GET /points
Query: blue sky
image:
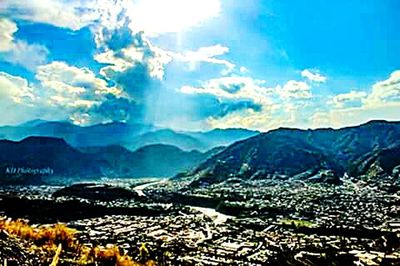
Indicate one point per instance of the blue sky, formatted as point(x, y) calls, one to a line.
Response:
point(200, 64)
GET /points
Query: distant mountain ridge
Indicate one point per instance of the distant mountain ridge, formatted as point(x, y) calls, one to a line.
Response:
point(45, 159)
point(290, 152)
point(131, 136)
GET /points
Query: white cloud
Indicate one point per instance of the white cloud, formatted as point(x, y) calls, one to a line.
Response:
point(15, 89)
point(109, 19)
point(16, 99)
point(123, 48)
point(235, 88)
point(295, 89)
point(243, 70)
point(382, 102)
point(27, 55)
point(113, 16)
point(313, 75)
point(73, 14)
point(385, 91)
point(17, 51)
point(206, 54)
point(73, 87)
point(245, 119)
point(281, 105)
point(117, 26)
point(7, 30)
point(74, 92)
point(352, 116)
point(121, 61)
point(350, 98)
point(62, 92)
point(270, 117)
point(155, 17)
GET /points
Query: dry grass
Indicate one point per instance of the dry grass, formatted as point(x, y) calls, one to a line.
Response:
point(44, 240)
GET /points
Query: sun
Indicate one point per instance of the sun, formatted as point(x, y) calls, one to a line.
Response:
point(156, 17)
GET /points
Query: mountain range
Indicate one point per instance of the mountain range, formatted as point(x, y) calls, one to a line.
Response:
point(130, 136)
point(369, 149)
point(48, 159)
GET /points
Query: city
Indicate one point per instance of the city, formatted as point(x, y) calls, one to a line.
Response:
point(253, 223)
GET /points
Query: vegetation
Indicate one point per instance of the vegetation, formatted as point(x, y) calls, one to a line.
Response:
point(57, 244)
point(297, 223)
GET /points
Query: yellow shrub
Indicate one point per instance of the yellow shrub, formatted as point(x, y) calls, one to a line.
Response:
point(46, 238)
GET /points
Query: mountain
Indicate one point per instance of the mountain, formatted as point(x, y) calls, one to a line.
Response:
point(114, 133)
point(378, 162)
point(38, 159)
point(157, 160)
point(289, 152)
point(165, 160)
point(222, 137)
point(168, 137)
point(131, 136)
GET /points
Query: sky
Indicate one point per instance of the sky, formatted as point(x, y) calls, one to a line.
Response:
point(200, 64)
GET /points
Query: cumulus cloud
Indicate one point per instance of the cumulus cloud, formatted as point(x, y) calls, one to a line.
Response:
point(64, 92)
point(111, 108)
point(385, 91)
point(295, 89)
point(63, 78)
point(313, 75)
point(350, 99)
point(247, 118)
point(169, 16)
point(132, 65)
point(69, 86)
point(122, 30)
point(61, 13)
point(251, 102)
point(234, 88)
point(15, 88)
point(131, 61)
point(131, 79)
point(16, 99)
point(355, 107)
point(352, 116)
point(17, 51)
point(262, 107)
point(138, 66)
point(7, 30)
point(27, 55)
point(113, 23)
point(206, 54)
point(83, 96)
point(122, 35)
point(139, 54)
point(298, 107)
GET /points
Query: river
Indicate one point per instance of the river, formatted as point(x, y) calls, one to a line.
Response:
point(216, 216)
point(139, 189)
